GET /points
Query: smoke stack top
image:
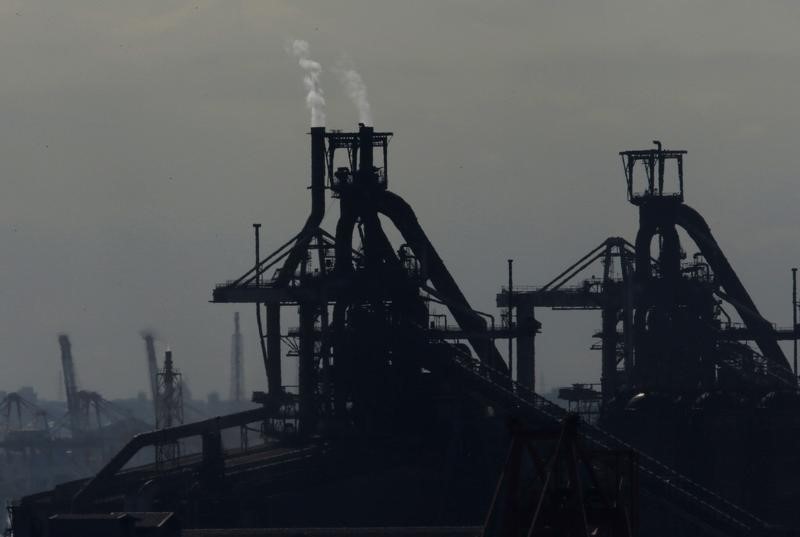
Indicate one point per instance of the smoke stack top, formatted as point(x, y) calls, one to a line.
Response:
point(315, 99)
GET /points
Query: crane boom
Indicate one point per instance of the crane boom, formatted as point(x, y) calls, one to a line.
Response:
point(152, 366)
point(70, 382)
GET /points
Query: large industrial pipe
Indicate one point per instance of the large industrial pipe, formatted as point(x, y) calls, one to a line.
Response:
point(341, 357)
point(343, 251)
point(379, 250)
point(306, 370)
point(762, 330)
point(608, 361)
point(317, 174)
point(653, 223)
point(273, 357)
point(526, 344)
point(404, 219)
point(343, 248)
point(317, 206)
point(365, 164)
point(81, 500)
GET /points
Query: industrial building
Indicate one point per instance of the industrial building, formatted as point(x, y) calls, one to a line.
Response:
point(408, 420)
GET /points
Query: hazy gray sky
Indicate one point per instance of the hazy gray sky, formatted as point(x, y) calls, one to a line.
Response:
point(140, 140)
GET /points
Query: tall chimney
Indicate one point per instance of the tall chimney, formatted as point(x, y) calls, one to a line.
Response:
point(365, 164)
point(317, 206)
point(317, 174)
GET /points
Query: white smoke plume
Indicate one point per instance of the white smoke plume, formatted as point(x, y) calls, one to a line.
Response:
point(356, 90)
point(315, 99)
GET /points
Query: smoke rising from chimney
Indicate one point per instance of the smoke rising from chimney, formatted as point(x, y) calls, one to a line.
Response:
point(356, 89)
point(315, 99)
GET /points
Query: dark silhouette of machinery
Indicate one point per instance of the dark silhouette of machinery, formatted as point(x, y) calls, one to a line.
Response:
point(676, 309)
point(363, 313)
point(612, 295)
point(237, 363)
point(551, 485)
point(664, 327)
point(679, 376)
point(400, 410)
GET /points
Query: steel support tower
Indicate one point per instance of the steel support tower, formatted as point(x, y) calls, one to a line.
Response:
point(169, 409)
point(362, 308)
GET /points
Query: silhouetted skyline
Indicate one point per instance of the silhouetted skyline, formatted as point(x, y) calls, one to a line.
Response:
point(140, 142)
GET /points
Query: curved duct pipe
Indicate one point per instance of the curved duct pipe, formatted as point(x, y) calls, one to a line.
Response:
point(317, 207)
point(642, 275)
point(403, 217)
point(343, 266)
point(763, 332)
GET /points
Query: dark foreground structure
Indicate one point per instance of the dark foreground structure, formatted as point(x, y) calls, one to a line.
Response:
point(401, 420)
point(714, 398)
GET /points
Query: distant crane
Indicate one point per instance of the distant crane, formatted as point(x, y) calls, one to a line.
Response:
point(19, 414)
point(237, 365)
point(60, 386)
point(152, 367)
point(70, 384)
point(25, 431)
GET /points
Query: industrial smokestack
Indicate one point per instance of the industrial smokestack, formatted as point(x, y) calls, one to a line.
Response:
point(317, 174)
point(317, 206)
point(365, 172)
